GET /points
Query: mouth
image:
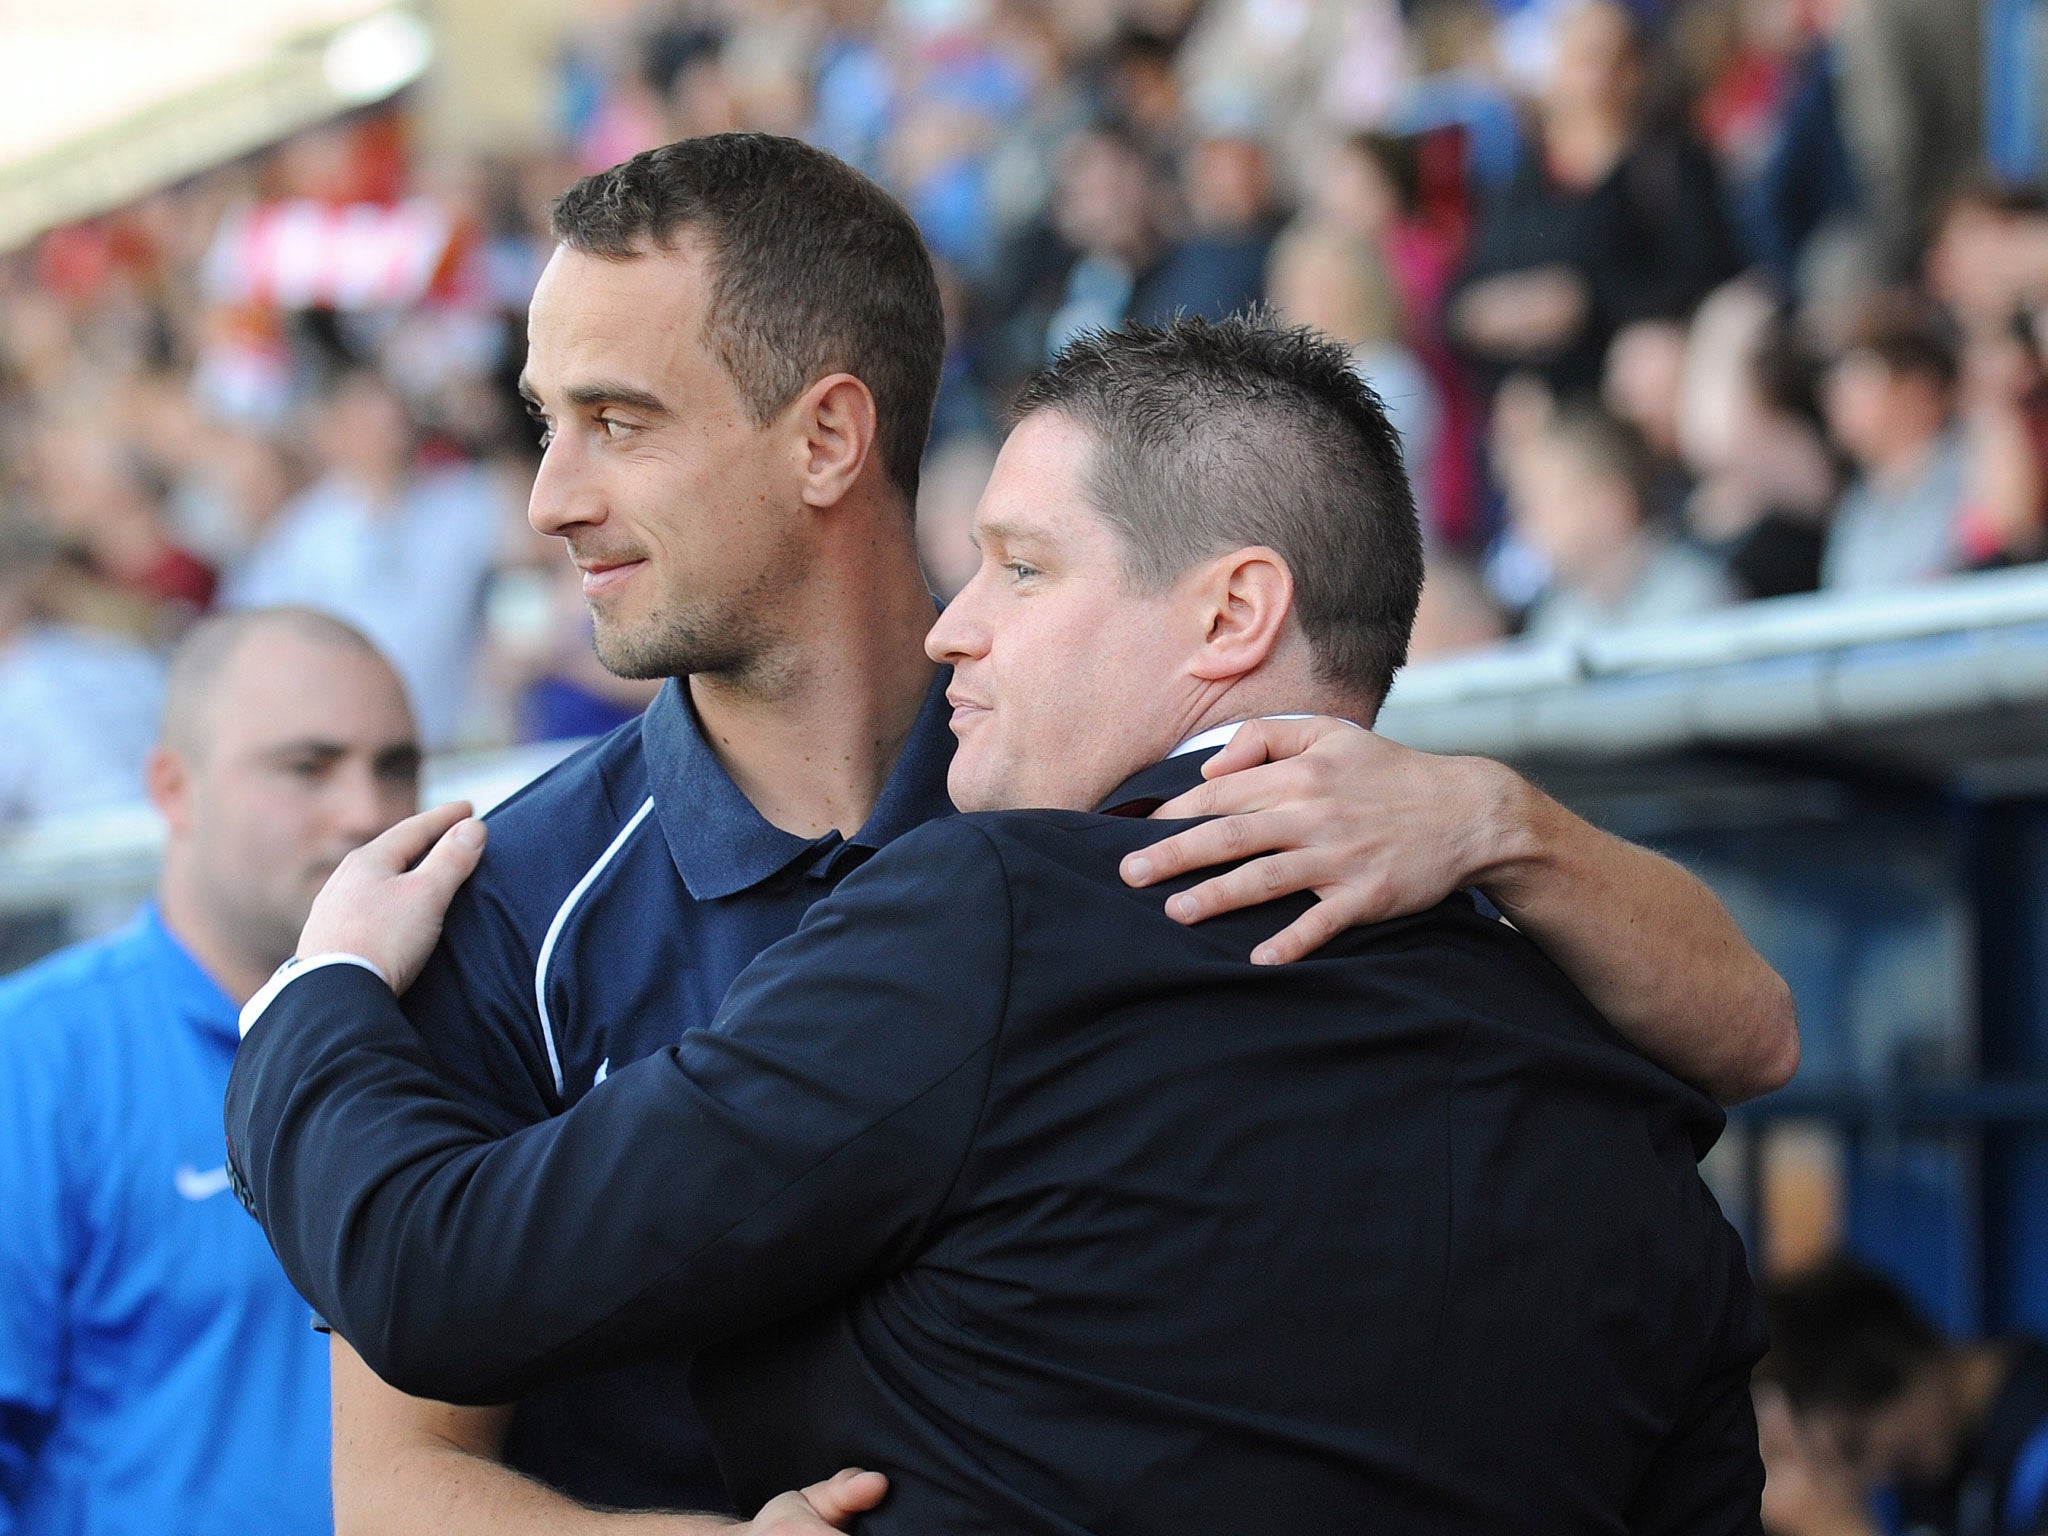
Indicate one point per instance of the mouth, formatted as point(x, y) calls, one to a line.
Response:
point(604, 576)
point(965, 711)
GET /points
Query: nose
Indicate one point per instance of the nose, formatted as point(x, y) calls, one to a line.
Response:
point(364, 804)
point(562, 497)
point(961, 633)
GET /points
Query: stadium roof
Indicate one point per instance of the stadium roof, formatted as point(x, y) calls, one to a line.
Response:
point(1942, 685)
point(105, 102)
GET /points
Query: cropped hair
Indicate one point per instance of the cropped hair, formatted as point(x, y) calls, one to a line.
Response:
point(1844, 1337)
point(813, 269)
point(1208, 436)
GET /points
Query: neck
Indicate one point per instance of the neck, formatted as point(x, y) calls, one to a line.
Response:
point(1288, 688)
point(234, 968)
point(813, 751)
point(1903, 461)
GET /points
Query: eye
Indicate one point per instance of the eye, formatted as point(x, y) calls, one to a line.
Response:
point(613, 428)
point(1021, 571)
point(541, 420)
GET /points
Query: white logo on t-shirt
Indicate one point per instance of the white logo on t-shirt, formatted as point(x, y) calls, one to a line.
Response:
point(194, 1185)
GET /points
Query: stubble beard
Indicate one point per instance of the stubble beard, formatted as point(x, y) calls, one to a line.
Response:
point(733, 640)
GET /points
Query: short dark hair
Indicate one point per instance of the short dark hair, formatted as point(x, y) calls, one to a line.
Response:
point(1844, 1337)
point(1214, 435)
point(813, 269)
point(1906, 334)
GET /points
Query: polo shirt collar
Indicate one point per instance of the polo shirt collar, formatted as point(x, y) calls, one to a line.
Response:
point(721, 845)
point(181, 983)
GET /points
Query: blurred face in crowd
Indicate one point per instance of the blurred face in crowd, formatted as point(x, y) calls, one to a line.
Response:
point(1596, 66)
point(301, 749)
point(364, 432)
point(1644, 372)
point(1104, 201)
point(682, 512)
point(1573, 512)
point(1881, 415)
point(1229, 183)
point(1066, 679)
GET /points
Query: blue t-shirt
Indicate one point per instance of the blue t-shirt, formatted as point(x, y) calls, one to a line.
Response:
point(618, 898)
point(157, 1371)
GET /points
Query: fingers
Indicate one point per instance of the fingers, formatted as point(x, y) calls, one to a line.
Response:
point(846, 1494)
point(1222, 841)
point(399, 848)
point(1249, 885)
point(1304, 936)
point(1268, 741)
point(452, 859)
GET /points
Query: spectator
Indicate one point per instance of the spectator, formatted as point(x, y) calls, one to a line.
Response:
point(1641, 386)
point(1861, 1393)
point(1326, 278)
point(78, 707)
point(1891, 402)
point(1108, 208)
point(1371, 187)
point(1764, 481)
point(1603, 224)
point(1219, 266)
point(1580, 499)
point(157, 1373)
point(402, 553)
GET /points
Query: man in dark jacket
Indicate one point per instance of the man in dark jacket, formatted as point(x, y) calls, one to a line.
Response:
point(995, 1179)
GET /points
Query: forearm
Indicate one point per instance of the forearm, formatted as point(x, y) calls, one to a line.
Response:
point(404, 1466)
point(1646, 941)
point(429, 1490)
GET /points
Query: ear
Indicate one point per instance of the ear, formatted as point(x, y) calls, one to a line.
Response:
point(168, 779)
point(1247, 597)
point(835, 418)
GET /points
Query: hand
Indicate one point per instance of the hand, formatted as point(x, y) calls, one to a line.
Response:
point(826, 1506)
point(1523, 314)
point(386, 900)
point(1375, 829)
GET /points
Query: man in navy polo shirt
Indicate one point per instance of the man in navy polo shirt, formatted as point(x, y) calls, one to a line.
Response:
point(734, 355)
point(157, 1373)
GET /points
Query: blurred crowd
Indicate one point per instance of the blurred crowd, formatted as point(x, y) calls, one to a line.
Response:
point(1674, 304)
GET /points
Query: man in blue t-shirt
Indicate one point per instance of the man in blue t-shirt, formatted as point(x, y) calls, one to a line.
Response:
point(157, 1372)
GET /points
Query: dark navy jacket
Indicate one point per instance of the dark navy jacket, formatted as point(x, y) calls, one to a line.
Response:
point(997, 1180)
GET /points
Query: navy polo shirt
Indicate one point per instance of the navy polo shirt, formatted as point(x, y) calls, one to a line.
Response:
point(620, 895)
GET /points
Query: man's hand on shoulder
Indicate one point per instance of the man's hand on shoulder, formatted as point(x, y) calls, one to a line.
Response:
point(1375, 829)
point(386, 900)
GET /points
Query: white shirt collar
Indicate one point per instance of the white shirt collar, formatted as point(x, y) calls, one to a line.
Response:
point(1219, 735)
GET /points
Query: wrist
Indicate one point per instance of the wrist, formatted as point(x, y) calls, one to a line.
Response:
point(1506, 830)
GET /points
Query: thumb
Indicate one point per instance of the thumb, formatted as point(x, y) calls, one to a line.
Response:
point(398, 848)
point(452, 859)
point(846, 1494)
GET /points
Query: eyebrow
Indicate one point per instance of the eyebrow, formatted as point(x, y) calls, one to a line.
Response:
point(1008, 532)
point(603, 392)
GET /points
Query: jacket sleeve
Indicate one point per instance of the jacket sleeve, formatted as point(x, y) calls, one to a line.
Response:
point(802, 1142)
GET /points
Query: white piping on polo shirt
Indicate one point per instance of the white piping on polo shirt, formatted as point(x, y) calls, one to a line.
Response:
point(547, 947)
